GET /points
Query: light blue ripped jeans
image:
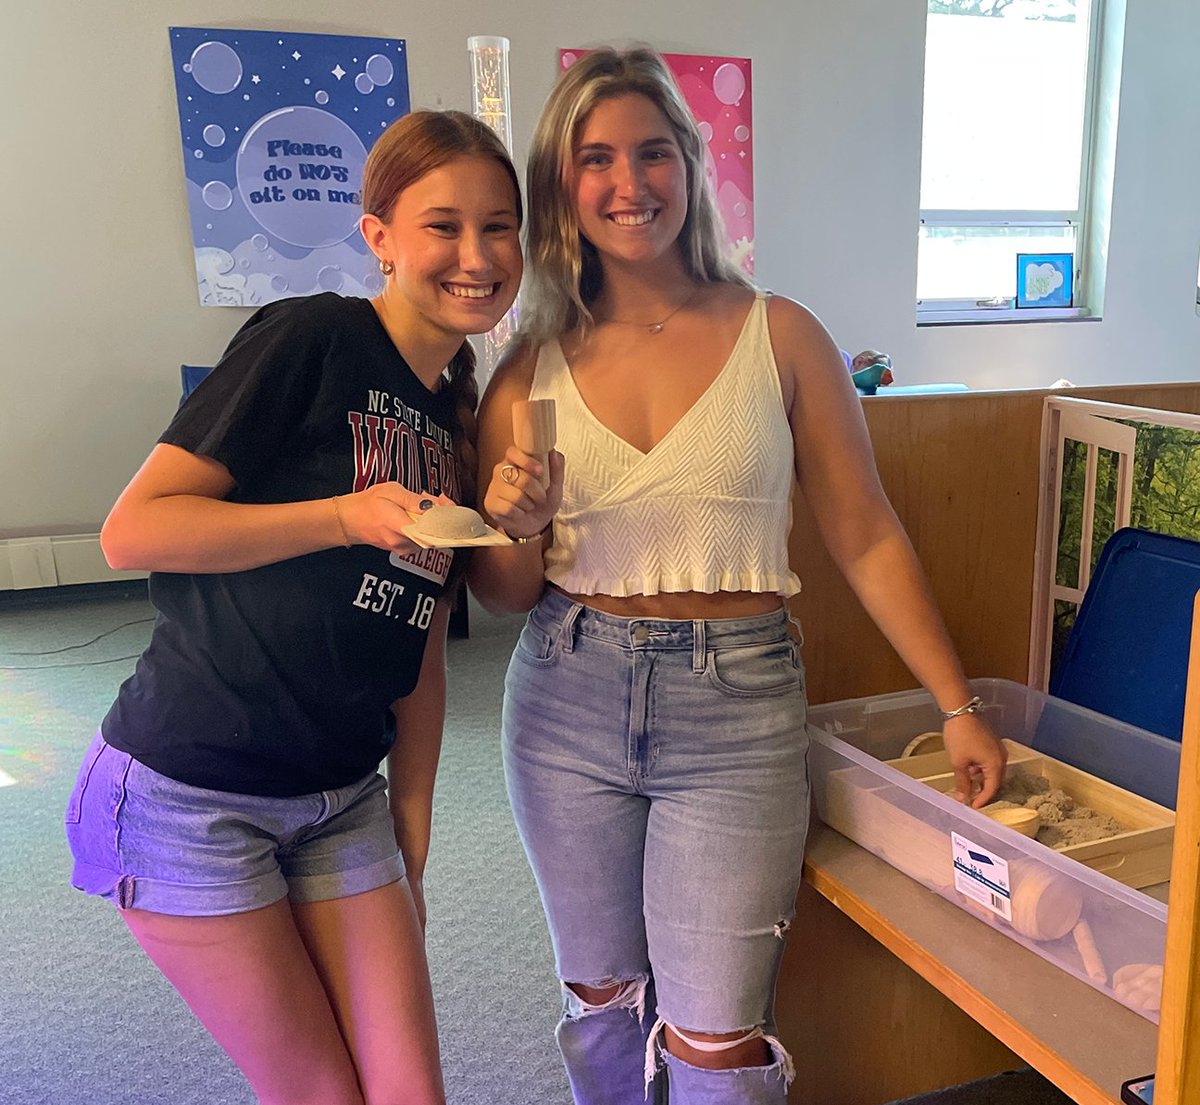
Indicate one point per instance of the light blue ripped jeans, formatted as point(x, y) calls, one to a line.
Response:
point(658, 776)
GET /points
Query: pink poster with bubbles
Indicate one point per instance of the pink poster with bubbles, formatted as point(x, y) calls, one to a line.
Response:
point(717, 89)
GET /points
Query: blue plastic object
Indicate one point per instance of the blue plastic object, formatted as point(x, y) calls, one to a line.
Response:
point(1134, 759)
point(191, 375)
point(1127, 654)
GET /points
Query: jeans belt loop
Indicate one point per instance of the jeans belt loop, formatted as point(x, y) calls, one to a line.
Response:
point(796, 629)
point(567, 636)
point(698, 645)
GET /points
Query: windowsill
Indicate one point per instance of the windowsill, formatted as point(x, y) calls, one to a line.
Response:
point(980, 316)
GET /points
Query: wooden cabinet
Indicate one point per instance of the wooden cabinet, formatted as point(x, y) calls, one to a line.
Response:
point(886, 989)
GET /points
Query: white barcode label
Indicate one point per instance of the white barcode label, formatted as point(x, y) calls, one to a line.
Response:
point(981, 876)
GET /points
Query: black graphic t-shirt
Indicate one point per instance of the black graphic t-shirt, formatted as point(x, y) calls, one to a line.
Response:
point(277, 680)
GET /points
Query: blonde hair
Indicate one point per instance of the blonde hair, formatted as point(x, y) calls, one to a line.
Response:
point(564, 275)
point(411, 147)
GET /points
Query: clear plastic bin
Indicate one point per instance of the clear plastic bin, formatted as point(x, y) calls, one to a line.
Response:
point(1072, 908)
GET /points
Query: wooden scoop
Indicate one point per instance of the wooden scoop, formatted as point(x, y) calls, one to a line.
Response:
point(535, 431)
point(1025, 821)
point(924, 742)
point(1045, 904)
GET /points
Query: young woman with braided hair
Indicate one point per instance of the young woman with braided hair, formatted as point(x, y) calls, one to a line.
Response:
point(231, 805)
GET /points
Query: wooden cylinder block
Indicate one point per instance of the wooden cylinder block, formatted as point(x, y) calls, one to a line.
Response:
point(535, 430)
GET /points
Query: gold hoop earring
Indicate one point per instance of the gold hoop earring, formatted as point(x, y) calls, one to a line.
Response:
point(387, 268)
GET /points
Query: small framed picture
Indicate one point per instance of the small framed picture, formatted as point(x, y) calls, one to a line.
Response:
point(1045, 279)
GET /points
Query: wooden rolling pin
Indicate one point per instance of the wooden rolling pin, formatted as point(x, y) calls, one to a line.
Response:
point(535, 431)
point(1089, 954)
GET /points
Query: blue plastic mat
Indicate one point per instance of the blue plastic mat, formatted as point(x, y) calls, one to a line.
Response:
point(1127, 654)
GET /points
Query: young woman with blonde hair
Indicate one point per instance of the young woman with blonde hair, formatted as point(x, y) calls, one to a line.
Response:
point(653, 726)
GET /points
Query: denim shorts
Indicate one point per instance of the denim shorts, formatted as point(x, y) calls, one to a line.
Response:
point(658, 774)
point(141, 839)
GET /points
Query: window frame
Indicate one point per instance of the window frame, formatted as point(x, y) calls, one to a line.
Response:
point(966, 309)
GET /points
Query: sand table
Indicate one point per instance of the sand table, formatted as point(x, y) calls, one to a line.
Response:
point(1064, 821)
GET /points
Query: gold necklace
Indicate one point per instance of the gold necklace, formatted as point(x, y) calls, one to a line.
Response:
point(656, 327)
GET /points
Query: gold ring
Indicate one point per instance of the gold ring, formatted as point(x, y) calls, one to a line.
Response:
point(508, 474)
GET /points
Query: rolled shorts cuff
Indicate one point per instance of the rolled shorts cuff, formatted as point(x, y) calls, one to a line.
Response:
point(214, 899)
point(220, 899)
point(342, 884)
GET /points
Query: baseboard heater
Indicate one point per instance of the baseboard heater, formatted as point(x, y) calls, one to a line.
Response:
point(27, 562)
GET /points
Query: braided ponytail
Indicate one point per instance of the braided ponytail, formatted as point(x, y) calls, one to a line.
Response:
point(465, 390)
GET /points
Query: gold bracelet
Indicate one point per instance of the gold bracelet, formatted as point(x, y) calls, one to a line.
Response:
point(529, 540)
point(341, 525)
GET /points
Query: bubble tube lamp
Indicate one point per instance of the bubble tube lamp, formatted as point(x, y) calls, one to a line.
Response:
point(489, 94)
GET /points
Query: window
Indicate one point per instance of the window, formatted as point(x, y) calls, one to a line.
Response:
point(1006, 147)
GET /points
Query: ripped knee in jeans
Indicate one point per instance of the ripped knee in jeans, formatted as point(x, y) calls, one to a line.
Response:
point(778, 1055)
point(605, 995)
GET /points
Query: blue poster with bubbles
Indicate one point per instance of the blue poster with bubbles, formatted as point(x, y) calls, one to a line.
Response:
point(276, 127)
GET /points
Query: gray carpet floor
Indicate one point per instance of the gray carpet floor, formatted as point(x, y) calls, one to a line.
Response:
point(85, 1018)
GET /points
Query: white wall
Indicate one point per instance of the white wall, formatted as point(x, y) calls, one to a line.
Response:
point(100, 308)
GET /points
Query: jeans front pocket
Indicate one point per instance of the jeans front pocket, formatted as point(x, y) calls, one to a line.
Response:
point(75, 802)
point(756, 671)
point(538, 643)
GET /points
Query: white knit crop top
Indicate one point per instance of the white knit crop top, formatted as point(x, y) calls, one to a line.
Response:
point(707, 509)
